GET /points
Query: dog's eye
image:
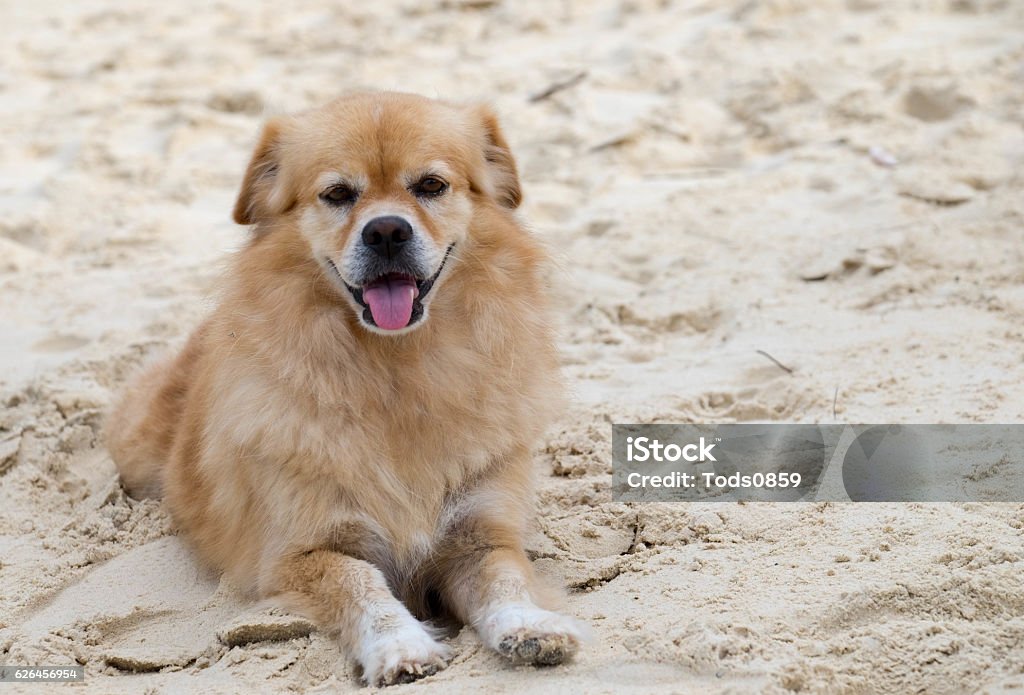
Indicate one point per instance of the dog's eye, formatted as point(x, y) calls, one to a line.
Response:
point(429, 187)
point(339, 195)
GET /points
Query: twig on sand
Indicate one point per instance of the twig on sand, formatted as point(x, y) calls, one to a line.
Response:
point(781, 366)
point(613, 142)
point(835, 399)
point(557, 87)
point(695, 173)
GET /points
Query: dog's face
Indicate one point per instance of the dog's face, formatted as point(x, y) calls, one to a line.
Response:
point(383, 188)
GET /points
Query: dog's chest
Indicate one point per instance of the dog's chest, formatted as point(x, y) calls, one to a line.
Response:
point(392, 466)
point(382, 449)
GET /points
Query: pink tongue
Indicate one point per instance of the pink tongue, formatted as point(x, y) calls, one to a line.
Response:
point(390, 302)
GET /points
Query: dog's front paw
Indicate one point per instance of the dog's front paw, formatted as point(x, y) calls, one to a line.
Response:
point(404, 656)
point(530, 635)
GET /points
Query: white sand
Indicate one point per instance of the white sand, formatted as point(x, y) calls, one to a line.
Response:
point(836, 183)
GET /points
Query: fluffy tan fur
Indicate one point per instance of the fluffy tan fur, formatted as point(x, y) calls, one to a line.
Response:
point(351, 473)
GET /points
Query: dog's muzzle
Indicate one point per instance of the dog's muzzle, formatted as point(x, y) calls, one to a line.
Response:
point(394, 298)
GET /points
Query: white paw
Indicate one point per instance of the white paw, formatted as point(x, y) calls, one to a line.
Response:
point(403, 655)
point(526, 634)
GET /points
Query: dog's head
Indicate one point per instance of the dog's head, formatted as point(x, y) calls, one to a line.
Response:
point(383, 188)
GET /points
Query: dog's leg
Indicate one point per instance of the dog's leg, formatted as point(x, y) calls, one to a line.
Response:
point(488, 582)
point(350, 596)
point(140, 431)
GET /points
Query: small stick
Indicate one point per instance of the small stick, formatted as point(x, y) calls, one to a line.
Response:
point(614, 142)
point(558, 87)
point(835, 399)
point(777, 363)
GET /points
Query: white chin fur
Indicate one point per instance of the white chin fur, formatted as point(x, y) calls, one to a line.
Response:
point(401, 331)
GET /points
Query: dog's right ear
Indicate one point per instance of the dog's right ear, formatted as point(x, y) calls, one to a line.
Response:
point(263, 192)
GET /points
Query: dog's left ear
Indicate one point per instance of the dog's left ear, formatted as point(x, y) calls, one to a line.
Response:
point(263, 193)
point(502, 178)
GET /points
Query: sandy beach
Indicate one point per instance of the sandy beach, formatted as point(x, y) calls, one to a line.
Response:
point(837, 184)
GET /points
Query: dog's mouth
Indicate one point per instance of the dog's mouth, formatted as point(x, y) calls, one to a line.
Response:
point(394, 300)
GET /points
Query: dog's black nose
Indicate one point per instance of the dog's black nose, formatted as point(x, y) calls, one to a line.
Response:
point(387, 235)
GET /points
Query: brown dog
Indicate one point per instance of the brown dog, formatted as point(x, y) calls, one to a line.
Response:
point(356, 418)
